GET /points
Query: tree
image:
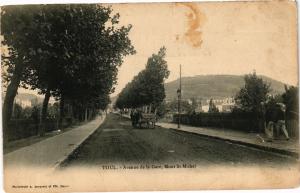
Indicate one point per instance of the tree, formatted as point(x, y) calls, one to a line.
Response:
point(155, 73)
point(147, 88)
point(251, 97)
point(18, 111)
point(96, 58)
point(67, 51)
point(255, 91)
point(162, 109)
point(185, 106)
point(15, 21)
point(194, 104)
point(291, 100)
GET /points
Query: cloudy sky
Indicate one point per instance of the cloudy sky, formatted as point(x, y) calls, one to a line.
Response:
point(213, 38)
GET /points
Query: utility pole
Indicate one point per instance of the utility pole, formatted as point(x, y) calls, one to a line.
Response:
point(179, 98)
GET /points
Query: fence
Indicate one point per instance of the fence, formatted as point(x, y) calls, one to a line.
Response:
point(237, 121)
point(292, 126)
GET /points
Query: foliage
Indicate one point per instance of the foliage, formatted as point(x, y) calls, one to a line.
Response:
point(34, 112)
point(242, 121)
point(253, 93)
point(62, 44)
point(185, 106)
point(194, 104)
point(291, 100)
point(147, 88)
point(67, 51)
point(212, 107)
point(162, 109)
point(271, 104)
point(53, 111)
point(18, 111)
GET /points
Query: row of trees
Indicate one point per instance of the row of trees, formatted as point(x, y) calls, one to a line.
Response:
point(147, 88)
point(33, 112)
point(70, 52)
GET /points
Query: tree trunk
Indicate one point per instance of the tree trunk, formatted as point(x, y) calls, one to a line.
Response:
point(61, 111)
point(11, 93)
point(71, 112)
point(90, 114)
point(85, 115)
point(42, 126)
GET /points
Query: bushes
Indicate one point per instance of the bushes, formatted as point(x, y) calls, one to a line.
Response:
point(22, 128)
point(242, 121)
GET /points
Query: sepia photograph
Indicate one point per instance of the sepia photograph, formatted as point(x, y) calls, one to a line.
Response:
point(150, 96)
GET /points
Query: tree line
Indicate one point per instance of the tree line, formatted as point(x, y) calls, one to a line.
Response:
point(146, 88)
point(69, 52)
point(255, 95)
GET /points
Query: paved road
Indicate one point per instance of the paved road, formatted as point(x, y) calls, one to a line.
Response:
point(116, 141)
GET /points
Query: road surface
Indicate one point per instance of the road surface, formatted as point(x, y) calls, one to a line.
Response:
point(116, 141)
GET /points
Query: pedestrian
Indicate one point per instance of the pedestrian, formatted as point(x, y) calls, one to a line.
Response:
point(280, 120)
point(270, 123)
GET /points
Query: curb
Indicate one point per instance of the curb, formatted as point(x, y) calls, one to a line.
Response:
point(60, 162)
point(265, 148)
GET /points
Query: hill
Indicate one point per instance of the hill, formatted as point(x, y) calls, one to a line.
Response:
point(214, 86)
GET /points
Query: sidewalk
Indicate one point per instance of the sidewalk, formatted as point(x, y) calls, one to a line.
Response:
point(50, 152)
point(290, 147)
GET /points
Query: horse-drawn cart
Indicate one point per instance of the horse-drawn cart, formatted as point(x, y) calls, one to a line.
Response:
point(147, 118)
point(143, 116)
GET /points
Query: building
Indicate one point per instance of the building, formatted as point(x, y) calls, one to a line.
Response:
point(228, 104)
point(224, 105)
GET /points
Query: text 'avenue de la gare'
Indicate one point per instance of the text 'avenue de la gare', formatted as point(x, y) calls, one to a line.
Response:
point(147, 166)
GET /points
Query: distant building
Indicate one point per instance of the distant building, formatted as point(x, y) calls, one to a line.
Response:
point(228, 104)
point(205, 108)
point(224, 105)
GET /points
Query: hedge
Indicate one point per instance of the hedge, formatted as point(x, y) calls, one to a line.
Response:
point(23, 128)
point(242, 121)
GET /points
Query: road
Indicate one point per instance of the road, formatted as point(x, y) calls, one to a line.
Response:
point(116, 141)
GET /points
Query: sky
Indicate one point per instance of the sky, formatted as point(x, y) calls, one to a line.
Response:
point(213, 38)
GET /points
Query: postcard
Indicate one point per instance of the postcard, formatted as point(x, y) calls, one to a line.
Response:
point(150, 96)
